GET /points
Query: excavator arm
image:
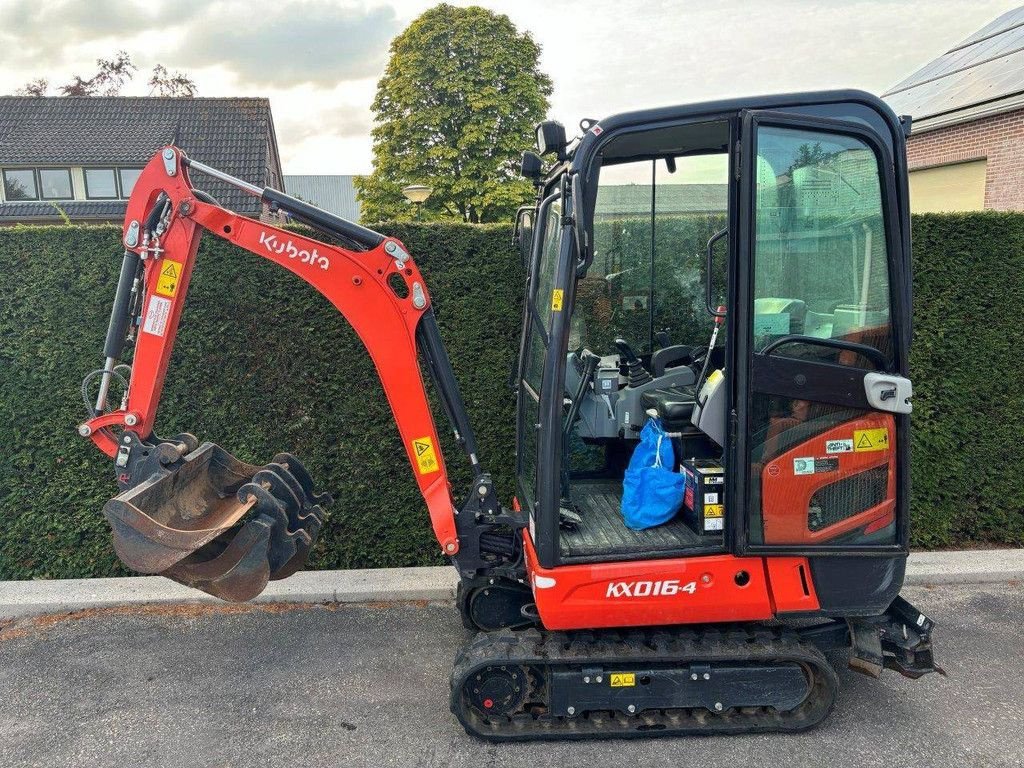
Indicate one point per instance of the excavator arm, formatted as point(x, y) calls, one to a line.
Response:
point(185, 507)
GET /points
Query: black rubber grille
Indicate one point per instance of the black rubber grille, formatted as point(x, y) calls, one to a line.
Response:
point(847, 497)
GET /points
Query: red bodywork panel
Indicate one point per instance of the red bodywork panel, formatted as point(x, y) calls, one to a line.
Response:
point(354, 282)
point(691, 590)
point(786, 495)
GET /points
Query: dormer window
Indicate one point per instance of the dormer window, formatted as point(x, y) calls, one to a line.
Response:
point(128, 178)
point(100, 184)
point(55, 184)
point(20, 184)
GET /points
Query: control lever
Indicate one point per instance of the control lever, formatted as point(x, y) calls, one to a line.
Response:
point(590, 362)
point(638, 375)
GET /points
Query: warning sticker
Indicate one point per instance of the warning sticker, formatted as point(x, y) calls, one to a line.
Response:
point(170, 276)
point(622, 679)
point(713, 524)
point(710, 498)
point(156, 316)
point(871, 439)
point(714, 510)
point(426, 459)
point(838, 446)
point(557, 296)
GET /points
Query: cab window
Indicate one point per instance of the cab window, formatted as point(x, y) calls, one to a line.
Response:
point(820, 260)
point(652, 222)
point(535, 350)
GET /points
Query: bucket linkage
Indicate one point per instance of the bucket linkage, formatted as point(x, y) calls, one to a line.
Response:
point(199, 516)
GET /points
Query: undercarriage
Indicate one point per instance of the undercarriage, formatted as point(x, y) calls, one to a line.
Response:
point(668, 681)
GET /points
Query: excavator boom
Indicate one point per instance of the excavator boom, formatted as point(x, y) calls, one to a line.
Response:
point(194, 512)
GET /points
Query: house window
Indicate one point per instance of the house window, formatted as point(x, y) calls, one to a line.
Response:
point(55, 184)
point(948, 188)
point(128, 177)
point(100, 184)
point(20, 184)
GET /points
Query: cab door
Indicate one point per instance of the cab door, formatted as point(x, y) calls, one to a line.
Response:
point(821, 390)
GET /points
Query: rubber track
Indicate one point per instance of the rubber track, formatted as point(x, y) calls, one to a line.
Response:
point(541, 650)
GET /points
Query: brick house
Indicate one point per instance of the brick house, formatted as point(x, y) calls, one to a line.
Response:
point(966, 148)
point(80, 156)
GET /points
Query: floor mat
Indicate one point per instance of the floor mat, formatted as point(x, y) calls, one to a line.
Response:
point(604, 533)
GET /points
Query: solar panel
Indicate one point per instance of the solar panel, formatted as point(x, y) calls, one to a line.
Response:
point(987, 66)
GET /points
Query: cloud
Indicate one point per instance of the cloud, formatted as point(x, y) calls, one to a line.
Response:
point(318, 59)
point(343, 120)
point(291, 44)
point(40, 33)
point(282, 44)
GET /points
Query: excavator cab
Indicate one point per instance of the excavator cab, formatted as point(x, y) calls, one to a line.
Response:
point(737, 272)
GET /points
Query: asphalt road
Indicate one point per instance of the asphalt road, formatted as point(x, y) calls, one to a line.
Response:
point(368, 685)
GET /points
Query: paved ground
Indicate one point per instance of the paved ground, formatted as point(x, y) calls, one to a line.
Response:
point(367, 686)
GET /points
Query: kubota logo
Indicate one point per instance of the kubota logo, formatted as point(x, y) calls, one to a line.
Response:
point(273, 245)
point(666, 588)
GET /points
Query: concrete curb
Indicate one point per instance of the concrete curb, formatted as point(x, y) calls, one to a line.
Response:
point(33, 598)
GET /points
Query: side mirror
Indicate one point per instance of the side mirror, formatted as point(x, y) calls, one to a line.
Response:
point(532, 166)
point(522, 238)
point(551, 139)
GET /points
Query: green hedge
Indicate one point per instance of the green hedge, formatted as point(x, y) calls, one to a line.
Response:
point(968, 374)
point(263, 363)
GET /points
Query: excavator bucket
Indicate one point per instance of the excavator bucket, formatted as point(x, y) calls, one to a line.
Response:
point(218, 524)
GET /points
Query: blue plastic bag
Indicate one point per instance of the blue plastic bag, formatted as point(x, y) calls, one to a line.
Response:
point(651, 492)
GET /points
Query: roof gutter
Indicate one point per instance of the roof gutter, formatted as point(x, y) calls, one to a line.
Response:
point(968, 114)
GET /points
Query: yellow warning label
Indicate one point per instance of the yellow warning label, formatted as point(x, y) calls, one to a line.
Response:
point(556, 299)
point(871, 439)
point(170, 275)
point(426, 459)
point(714, 510)
point(622, 679)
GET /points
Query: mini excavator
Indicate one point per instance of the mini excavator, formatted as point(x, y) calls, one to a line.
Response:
point(739, 271)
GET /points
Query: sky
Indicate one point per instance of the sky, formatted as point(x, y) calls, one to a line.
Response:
point(318, 61)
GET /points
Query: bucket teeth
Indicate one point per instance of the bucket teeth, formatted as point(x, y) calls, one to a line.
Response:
point(302, 476)
point(310, 521)
point(219, 525)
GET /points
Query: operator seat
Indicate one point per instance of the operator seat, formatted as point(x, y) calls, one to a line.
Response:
point(674, 405)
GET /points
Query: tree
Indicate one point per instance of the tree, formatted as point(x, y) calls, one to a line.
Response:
point(164, 83)
point(811, 155)
point(108, 80)
point(455, 109)
point(35, 87)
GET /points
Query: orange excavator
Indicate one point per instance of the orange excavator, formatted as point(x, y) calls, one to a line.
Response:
point(733, 275)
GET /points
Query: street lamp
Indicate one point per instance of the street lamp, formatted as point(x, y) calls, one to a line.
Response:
point(417, 194)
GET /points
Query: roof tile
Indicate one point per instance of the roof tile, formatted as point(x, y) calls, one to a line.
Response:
point(231, 134)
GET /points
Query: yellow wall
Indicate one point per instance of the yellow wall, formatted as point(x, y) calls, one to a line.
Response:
point(956, 187)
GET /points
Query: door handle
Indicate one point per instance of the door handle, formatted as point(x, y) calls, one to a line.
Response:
point(887, 392)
